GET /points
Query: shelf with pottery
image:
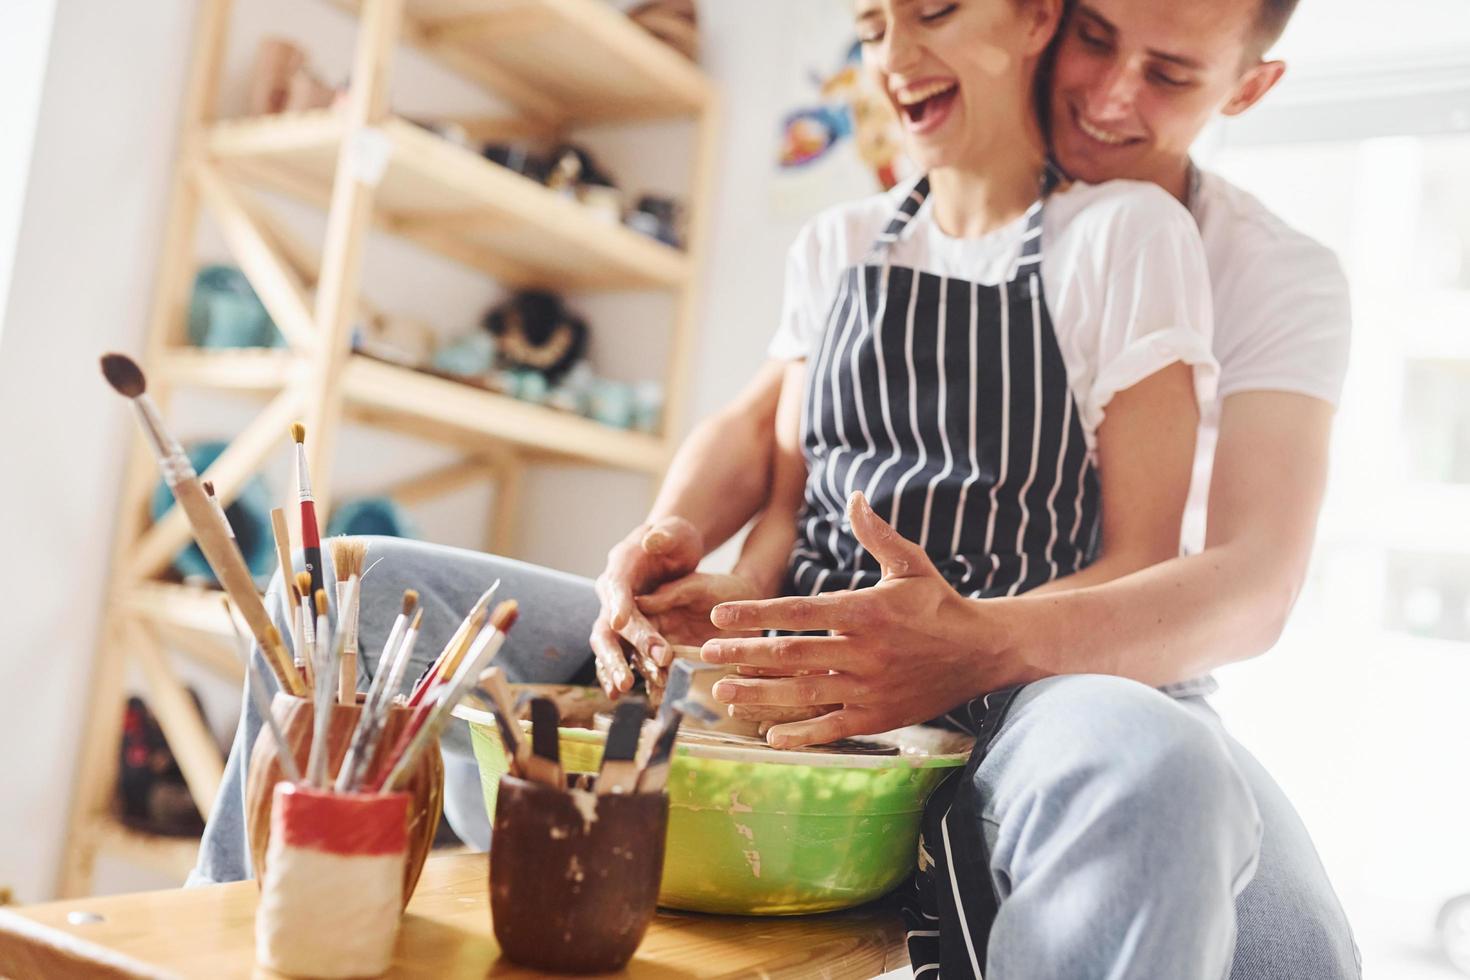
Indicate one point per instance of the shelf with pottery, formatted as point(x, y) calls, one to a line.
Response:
point(438, 408)
point(449, 200)
point(563, 62)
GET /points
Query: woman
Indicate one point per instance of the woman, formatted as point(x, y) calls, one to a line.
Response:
point(995, 368)
point(999, 366)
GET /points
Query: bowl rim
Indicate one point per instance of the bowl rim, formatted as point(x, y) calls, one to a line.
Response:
point(753, 755)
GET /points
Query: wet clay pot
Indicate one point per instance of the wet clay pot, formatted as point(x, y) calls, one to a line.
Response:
point(574, 877)
point(425, 787)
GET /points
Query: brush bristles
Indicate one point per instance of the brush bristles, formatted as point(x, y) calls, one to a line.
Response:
point(303, 585)
point(348, 557)
point(505, 615)
point(321, 602)
point(410, 599)
point(298, 432)
point(123, 373)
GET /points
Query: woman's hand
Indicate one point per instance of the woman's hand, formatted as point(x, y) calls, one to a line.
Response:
point(904, 651)
point(680, 610)
point(648, 557)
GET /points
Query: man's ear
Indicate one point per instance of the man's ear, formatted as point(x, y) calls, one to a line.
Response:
point(1043, 18)
point(1254, 85)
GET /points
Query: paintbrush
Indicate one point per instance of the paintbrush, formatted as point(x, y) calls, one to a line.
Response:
point(348, 558)
point(219, 550)
point(262, 699)
point(502, 706)
point(305, 654)
point(379, 694)
point(468, 630)
point(543, 765)
point(322, 701)
point(311, 542)
point(374, 718)
point(430, 717)
point(619, 770)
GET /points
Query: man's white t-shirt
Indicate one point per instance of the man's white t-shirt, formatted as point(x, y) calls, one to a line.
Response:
point(1282, 316)
point(1123, 273)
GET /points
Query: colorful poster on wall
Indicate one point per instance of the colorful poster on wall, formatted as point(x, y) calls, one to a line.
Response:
point(838, 137)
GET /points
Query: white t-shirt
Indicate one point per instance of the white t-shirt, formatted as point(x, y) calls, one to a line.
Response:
point(1282, 316)
point(1123, 273)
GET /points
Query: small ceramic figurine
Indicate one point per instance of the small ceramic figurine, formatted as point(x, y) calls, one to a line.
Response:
point(533, 330)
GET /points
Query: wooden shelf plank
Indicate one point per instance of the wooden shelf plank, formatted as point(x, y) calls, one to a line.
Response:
point(455, 202)
point(437, 408)
point(385, 388)
point(576, 61)
point(255, 369)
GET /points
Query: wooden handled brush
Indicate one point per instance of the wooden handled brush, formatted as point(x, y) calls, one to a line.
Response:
point(219, 549)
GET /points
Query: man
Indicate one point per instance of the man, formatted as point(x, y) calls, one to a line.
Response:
point(1134, 83)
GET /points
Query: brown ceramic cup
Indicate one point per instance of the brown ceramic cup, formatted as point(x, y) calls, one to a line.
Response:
point(574, 877)
point(425, 787)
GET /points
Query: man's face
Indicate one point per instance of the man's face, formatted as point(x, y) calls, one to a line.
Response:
point(1135, 81)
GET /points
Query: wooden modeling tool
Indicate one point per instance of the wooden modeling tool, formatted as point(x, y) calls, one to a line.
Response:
point(619, 770)
point(220, 551)
point(348, 558)
point(654, 774)
point(543, 765)
point(262, 700)
point(502, 706)
point(430, 717)
point(468, 630)
point(311, 541)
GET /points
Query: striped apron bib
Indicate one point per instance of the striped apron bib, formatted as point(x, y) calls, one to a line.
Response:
point(947, 403)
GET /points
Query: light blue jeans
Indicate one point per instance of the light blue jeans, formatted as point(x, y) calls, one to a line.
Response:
point(1130, 836)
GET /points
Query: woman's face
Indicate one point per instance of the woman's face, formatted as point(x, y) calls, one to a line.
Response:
point(958, 72)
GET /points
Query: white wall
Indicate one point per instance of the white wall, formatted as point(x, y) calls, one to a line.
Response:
point(25, 31)
point(83, 263)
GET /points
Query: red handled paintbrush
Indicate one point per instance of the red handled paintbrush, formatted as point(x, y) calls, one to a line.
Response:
point(311, 540)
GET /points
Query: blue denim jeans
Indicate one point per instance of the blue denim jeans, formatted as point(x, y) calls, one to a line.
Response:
point(1130, 836)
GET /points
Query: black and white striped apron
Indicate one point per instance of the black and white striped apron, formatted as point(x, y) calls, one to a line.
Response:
point(947, 403)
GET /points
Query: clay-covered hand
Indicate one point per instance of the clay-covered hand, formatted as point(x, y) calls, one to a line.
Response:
point(680, 610)
point(649, 556)
point(905, 651)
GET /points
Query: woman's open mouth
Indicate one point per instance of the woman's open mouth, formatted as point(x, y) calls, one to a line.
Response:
point(924, 108)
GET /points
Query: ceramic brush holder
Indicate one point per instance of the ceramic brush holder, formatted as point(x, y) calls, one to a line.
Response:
point(574, 877)
point(425, 787)
point(333, 888)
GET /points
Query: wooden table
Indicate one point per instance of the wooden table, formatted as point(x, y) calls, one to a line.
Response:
point(210, 932)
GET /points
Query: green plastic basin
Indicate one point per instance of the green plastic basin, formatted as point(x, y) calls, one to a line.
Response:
point(752, 835)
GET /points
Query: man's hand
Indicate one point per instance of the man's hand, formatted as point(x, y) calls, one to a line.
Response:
point(650, 556)
point(904, 651)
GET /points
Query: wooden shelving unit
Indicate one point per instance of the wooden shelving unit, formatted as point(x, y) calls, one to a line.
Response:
point(559, 64)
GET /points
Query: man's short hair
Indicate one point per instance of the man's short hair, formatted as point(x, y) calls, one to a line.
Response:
point(1271, 20)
